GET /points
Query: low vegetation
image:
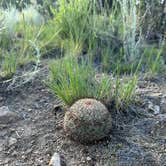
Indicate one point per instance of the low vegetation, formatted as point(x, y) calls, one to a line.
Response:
point(107, 39)
point(93, 71)
point(71, 80)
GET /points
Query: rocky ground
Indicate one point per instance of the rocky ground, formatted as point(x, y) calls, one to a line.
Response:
point(31, 130)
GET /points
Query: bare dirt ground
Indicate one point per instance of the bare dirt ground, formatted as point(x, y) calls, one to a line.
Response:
point(32, 130)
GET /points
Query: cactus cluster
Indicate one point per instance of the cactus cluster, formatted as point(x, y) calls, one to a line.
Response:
point(87, 120)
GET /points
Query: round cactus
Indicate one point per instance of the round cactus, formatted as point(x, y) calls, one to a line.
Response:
point(87, 120)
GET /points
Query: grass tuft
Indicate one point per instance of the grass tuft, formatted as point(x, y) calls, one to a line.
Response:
point(71, 80)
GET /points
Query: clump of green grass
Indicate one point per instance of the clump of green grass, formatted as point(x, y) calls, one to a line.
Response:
point(153, 60)
point(73, 19)
point(28, 34)
point(17, 48)
point(49, 37)
point(124, 91)
point(71, 80)
point(8, 66)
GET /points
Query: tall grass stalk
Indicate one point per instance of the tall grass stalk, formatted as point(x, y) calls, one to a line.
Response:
point(130, 21)
point(2, 26)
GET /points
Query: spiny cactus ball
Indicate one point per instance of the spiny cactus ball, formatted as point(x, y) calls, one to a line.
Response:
point(87, 120)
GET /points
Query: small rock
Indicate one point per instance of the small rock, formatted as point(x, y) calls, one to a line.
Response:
point(88, 158)
point(15, 153)
point(154, 108)
point(29, 110)
point(23, 157)
point(150, 106)
point(7, 116)
point(12, 141)
point(57, 160)
point(28, 151)
point(83, 161)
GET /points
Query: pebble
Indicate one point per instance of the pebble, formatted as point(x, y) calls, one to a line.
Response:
point(23, 157)
point(55, 160)
point(7, 116)
point(15, 153)
point(154, 108)
point(12, 141)
point(88, 158)
point(29, 110)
